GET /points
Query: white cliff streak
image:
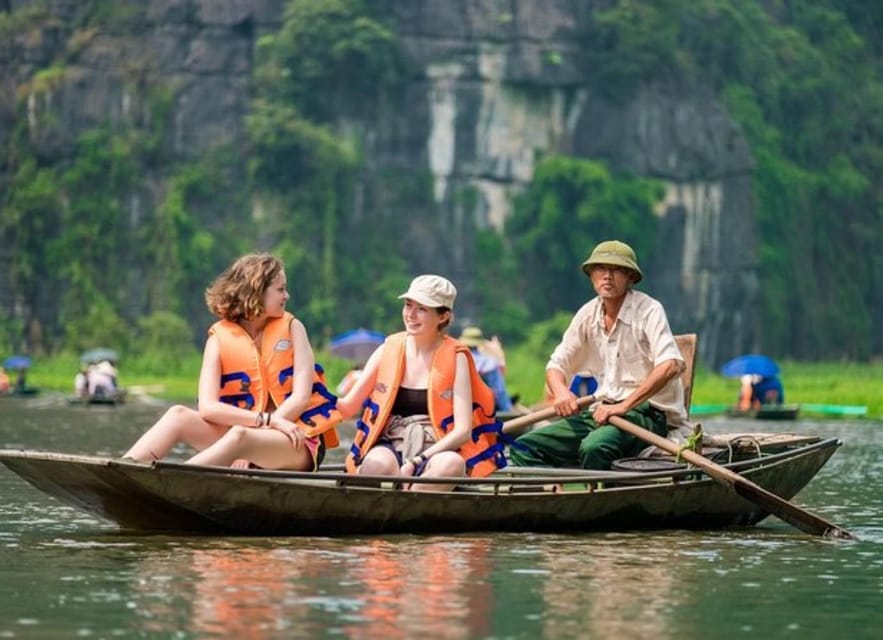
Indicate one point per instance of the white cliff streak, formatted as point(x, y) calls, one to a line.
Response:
point(511, 129)
point(32, 113)
point(495, 202)
point(442, 136)
point(702, 204)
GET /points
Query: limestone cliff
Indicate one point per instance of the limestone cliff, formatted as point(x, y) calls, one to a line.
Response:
point(506, 81)
point(495, 83)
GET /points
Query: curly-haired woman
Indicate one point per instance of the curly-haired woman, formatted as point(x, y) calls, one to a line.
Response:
point(256, 382)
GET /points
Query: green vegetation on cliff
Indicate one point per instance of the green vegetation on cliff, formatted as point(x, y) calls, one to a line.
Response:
point(803, 79)
point(126, 234)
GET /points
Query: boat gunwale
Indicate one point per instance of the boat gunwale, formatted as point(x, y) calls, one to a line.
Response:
point(575, 476)
point(525, 476)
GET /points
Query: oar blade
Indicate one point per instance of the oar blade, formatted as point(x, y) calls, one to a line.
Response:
point(783, 509)
point(787, 511)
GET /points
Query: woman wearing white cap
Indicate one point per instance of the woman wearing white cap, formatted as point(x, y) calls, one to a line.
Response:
point(426, 411)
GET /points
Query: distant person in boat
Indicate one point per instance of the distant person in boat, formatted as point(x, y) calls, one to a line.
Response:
point(101, 380)
point(769, 390)
point(258, 383)
point(623, 340)
point(81, 382)
point(426, 411)
point(758, 391)
point(494, 347)
point(489, 367)
point(21, 381)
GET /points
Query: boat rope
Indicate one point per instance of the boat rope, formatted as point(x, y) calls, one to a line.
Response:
point(748, 441)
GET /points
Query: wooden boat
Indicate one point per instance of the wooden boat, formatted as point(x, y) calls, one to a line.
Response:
point(100, 399)
point(174, 497)
point(22, 391)
point(767, 412)
point(708, 409)
point(170, 496)
point(838, 410)
point(827, 410)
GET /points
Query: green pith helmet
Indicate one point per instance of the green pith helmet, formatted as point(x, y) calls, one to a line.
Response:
point(616, 253)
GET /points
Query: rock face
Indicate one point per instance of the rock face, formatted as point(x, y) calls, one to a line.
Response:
point(505, 82)
point(199, 49)
point(496, 83)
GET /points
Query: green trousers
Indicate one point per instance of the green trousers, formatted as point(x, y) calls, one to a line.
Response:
point(579, 441)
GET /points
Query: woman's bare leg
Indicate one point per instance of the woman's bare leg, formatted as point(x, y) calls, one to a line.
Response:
point(380, 461)
point(269, 448)
point(178, 424)
point(446, 464)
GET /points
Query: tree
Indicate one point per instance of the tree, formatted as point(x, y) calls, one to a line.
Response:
point(571, 205)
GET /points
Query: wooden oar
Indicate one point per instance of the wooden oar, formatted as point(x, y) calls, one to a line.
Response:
point(516, 424)
point(787, 511)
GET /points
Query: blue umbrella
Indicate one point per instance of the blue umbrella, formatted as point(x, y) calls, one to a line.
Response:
point(14, 363)
point(750, 364)
point(356, 345)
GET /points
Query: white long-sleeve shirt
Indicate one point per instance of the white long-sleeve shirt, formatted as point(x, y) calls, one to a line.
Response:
point(639, 341)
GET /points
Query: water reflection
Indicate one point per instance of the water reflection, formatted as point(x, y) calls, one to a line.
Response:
point(367, 588)
point(610, 587)
point(413, 589)
point(65, 574)
point(233, 591)
point(243, 592)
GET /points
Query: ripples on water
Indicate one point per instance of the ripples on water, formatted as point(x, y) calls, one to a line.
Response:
point(65, 574)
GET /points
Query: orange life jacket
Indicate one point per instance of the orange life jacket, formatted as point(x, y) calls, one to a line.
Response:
point(249, 379)
point(483, 453)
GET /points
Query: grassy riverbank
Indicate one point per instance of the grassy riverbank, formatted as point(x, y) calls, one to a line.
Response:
point(805, 383)
point(814, 383)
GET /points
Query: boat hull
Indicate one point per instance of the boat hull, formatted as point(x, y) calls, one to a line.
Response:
point(182, 498)
point(99, 399)
point(768, 412)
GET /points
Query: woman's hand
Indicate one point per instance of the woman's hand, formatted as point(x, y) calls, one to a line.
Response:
point(408, 468)
point(240, 463)
point(291, 430)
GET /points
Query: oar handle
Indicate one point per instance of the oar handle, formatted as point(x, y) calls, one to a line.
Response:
point(789, 512)
point(543, 414)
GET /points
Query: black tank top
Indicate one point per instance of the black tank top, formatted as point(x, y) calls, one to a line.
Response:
point(410, 402)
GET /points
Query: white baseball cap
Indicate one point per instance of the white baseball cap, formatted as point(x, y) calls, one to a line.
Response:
point(431, 291)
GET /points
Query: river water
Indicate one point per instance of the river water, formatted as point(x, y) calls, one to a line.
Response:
point(64, 574)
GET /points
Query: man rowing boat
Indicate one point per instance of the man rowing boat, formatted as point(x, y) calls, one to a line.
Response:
point(622, 338)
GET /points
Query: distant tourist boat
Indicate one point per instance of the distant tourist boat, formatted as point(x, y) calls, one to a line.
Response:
point(767, 412)
point(827, 410)
point(26, 391)
point(118, 397)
